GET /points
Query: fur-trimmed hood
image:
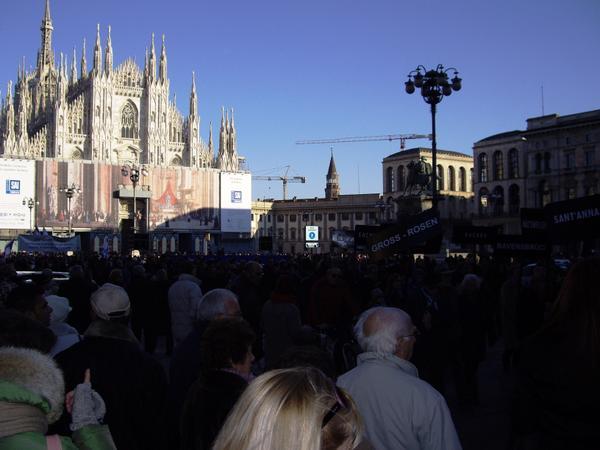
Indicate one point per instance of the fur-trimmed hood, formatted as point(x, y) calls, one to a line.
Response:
point(37, 373)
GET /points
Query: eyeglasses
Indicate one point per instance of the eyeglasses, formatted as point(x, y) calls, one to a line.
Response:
point(415, 334)
point(339, 404)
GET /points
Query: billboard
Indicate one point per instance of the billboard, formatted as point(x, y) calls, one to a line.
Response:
point(93, 207)
point(181, 198)
point(236, 189)
point(17, 183)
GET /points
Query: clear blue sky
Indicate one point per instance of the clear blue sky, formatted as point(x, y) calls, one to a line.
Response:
point(335, 68)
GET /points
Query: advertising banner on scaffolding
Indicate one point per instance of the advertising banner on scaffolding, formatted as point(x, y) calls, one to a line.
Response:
point(17, 178)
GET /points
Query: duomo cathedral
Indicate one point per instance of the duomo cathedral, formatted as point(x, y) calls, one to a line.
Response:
point(106, 114)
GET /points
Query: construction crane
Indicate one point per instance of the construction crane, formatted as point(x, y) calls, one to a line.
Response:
point(386, 137)
point(283, 178)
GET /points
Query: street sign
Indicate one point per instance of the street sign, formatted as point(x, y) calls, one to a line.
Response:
point(312, 233)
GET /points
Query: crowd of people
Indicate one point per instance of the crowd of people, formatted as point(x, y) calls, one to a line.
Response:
point(299, 352)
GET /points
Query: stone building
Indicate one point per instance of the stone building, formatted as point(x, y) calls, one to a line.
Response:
point(454, 172)
point(285, 221)
point(555, 158)
point(116, 115)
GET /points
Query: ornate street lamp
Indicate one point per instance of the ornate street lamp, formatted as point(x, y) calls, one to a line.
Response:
point(435, 85)
point(134, 175)
point(30, 203)
point(69, 192)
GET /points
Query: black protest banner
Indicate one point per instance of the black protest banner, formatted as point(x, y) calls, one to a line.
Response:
point(414, 233)
point(465, 234)
point(533, 221)
point(517, 245)
point(362, 233)
point(573, 220)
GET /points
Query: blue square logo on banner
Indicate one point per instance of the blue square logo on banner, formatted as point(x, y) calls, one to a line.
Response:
point(13, 186)
point(236, 196)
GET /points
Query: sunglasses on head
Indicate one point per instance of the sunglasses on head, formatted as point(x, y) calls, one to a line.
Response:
point(339, 404)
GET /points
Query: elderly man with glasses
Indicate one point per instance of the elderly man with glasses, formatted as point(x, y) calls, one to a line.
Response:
point(399, 410)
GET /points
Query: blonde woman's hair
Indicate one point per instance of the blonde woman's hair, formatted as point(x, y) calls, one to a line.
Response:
point(284, 409)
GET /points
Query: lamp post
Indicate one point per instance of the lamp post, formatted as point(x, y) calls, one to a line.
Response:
point(69, 192)
point(134, 175)
point(30, 203)
point(434, 85)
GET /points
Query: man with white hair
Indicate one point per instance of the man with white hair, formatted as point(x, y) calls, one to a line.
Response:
point(399, 410)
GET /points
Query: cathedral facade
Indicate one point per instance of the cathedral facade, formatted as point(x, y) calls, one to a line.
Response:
point(107, 114)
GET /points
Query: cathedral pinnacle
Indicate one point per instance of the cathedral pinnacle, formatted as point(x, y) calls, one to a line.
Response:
point(83, 61)
point(108, 56)
point(97, 52)
point(163, 61)
point(193, 99)
point(45, 54)
point(74, 67)
point(152, 61)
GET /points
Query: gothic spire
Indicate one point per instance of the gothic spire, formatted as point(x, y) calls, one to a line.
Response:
point(152, 61)
point(332, 172)
point(232, 123)
point(210, 138)
point(332, 188)
point(163, 61)
point(97, 52)
point(83, 61)
point(193, 98)
point(74, 67)
point(45, 54)
point(108, 55)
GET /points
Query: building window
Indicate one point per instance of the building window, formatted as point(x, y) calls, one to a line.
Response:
point(280, 218)
point(279, 233)
point(462, 179)
point(305, 217)
point(589, 190)
point(293, 234)
point(545, 194)
point(570, 159)
point(400, 179)
point(498, 200)
point(252, 217)
point(547, 162)
point(538, 163)
point(269, 218)
point(483, 168)
point(292, 217)
point(331, 216)
point(451, 179)
point(513, 163)
point(483, 201)
point(331, 230)
point(571, 192)
point(590, 157)
point(498, 166)
point(345, 216)
point(358, 216)
point(129, 121)
point(372, 215)
point(318, 217)
point(440, 178)
point(514, 199)
point(389, 180)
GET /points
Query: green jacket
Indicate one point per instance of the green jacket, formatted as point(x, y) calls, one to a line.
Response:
point(91, 437)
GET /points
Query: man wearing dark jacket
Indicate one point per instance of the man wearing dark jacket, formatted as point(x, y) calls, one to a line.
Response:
point(132, 384)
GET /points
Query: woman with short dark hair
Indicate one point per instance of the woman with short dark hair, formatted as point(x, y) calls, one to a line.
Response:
point(227, 357)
